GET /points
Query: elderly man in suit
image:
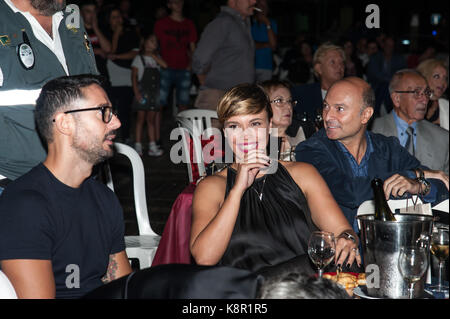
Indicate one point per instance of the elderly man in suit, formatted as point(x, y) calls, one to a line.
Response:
point(427, 142)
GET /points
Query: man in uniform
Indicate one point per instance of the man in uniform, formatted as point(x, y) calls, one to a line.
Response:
point(39, 40)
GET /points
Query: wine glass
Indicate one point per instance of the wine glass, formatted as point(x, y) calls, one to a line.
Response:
point(321, 249)
point(318, 120)
point(412, 264)
point(439, 248)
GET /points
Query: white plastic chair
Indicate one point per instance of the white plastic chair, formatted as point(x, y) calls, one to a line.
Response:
point(142, 247)
point(7, 290)
point(195, 122)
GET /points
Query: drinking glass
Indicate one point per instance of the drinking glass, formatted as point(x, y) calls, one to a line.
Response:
point(321, 249)
point(439, 248)
point(318, 119)
point(412, 264)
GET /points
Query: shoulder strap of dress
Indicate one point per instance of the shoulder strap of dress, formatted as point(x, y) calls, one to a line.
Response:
point(143, 60)
point(230, 180)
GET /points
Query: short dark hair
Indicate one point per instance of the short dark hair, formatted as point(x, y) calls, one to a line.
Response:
point(368, 98)
point(84, 3)
point(58, 95)
point(300, 286)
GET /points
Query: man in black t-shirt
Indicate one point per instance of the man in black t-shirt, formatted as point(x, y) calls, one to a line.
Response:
point(62, 232)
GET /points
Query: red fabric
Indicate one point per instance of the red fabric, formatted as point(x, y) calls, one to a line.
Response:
point(208, 157)
point(174, 245)
point(174, 40)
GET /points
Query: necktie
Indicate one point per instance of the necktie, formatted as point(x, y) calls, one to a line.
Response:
point(410, 141)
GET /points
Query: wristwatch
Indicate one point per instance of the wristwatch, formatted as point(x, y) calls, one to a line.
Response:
point(347, 235)
point(425, 185)
point(268, 26)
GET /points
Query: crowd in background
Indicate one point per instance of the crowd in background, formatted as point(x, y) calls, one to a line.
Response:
point(117, 30)
point(339, 84)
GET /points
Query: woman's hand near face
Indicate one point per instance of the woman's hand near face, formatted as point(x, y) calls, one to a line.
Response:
point(247, 171)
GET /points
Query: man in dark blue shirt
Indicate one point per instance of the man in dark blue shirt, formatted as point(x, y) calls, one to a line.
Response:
point(62, 232)
point(348, 157)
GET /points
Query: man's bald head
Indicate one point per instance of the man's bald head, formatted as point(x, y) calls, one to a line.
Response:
point(362, 87)
point(347, 110)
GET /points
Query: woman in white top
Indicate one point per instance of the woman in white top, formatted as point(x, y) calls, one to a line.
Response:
point(435, 71)
point(145, 80)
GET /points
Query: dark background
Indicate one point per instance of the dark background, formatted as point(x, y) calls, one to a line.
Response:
point(322, 20)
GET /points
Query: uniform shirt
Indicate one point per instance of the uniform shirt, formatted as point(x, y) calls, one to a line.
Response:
point(20, 146)
point(42, 35)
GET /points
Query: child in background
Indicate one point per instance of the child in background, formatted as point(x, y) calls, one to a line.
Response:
point(145, 79)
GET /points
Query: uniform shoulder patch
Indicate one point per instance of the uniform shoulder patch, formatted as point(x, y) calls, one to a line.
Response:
point(5, 40)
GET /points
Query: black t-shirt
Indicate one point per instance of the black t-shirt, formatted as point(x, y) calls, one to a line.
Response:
point(76, 228)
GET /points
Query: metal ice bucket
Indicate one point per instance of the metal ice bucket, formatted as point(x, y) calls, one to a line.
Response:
point(381, 244)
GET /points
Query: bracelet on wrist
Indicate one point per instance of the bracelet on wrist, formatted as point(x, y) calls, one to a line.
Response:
point(425, 186)
point(349, 235)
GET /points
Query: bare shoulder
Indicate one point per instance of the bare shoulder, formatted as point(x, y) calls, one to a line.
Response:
point(299, 169)
point(212, 186)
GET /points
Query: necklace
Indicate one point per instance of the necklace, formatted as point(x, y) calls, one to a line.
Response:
point(260, 194)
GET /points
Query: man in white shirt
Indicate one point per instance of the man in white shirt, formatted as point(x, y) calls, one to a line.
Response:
point(39, 40)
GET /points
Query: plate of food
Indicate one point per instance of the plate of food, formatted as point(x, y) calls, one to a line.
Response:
point(362, 293)
point(347, 280)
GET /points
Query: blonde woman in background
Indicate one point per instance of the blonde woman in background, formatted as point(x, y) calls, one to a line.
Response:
point(435, 71)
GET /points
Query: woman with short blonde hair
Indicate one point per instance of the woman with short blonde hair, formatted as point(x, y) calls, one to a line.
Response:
point(258, 213)
point(436, 73)
point(322, 51)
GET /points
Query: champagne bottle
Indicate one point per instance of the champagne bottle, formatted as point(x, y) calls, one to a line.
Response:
point(382, 209)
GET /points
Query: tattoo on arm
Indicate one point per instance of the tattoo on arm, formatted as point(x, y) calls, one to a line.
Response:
point(111, 271)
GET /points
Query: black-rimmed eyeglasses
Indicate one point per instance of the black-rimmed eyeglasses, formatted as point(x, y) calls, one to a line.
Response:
point(280, 102)
point(107, 112)
point(418, 93)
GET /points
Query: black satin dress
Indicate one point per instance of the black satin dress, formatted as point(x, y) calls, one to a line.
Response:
point(271, 231)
